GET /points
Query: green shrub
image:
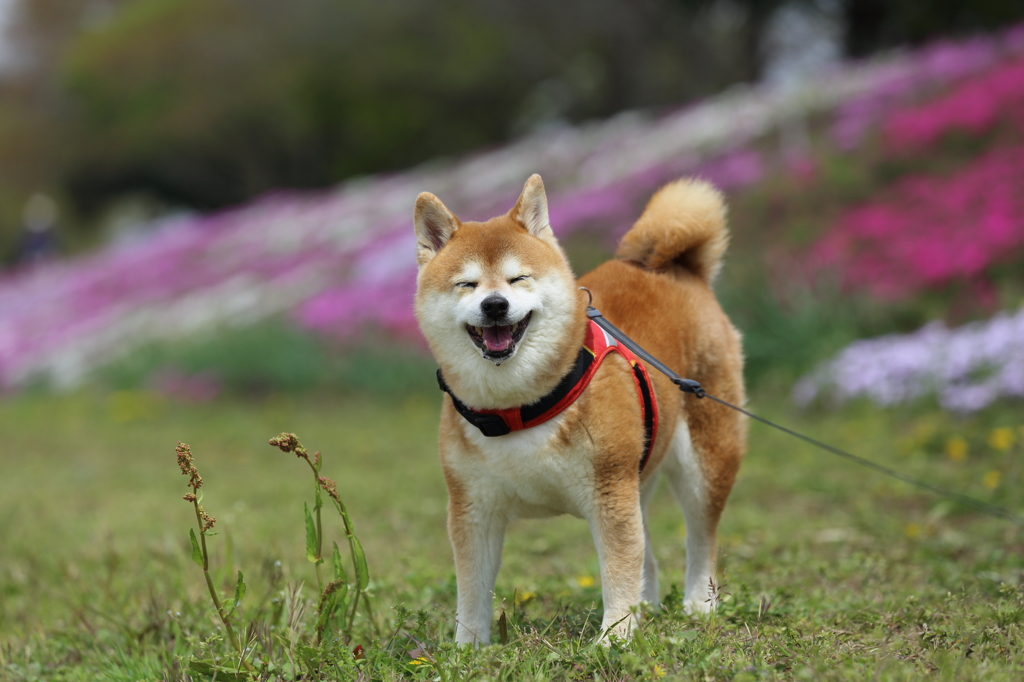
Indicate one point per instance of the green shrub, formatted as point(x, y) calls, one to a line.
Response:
point(271, 357)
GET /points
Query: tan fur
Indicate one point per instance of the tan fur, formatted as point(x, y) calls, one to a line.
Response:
point(585, 461)
point(683, 225)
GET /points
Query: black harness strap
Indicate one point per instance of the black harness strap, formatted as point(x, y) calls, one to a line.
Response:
point(579, 369)
point(648, 399)
point(491, 425)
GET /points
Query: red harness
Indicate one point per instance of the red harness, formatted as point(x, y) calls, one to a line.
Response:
point(596, 347)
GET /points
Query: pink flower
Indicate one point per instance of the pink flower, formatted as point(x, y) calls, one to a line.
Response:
point(931, 230)
point(974, 107)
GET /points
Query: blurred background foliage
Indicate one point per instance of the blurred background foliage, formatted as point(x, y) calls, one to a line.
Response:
point(200, 104)
point(269, 358)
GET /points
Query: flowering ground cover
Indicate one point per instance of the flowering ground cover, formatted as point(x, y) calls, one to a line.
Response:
point(937, 65)
point(928, 229)
point(973, 107)
point(967, 367)
point(946, 228)
point(339, 260)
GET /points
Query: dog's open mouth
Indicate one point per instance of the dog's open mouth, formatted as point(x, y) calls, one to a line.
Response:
point(498, 341)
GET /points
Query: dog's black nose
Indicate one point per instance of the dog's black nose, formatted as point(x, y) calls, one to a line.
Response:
point(495, 306)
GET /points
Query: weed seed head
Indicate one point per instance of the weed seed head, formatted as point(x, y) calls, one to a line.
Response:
point(289, 442)
point(330, 487)
point(184, 453)
point(187, 466)
point(331, 588)
point(208, 520)
point(189, 497)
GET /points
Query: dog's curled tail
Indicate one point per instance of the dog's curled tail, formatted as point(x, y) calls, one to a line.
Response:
point(682, 226)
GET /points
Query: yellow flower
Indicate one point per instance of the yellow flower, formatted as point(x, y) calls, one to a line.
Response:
point(524, 597)
point(585, 581)
point(956, 448)
point(422, 660)
point(991, 479)
point(1001, 438)
point(658, 672)
point(912, 530)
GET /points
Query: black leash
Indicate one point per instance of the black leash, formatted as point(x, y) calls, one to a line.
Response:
point(691, 386)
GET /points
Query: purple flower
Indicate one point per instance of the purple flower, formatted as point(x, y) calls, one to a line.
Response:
point(967, 368)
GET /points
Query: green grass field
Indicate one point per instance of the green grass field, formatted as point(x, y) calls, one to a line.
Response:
point(827, 571)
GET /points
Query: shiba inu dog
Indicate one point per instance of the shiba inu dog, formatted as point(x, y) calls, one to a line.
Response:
point(506, 320)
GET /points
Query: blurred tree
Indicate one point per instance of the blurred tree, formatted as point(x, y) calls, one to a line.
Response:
point(871, 25)
point(748, 19)
point(875, 24)
point(209, 102)
point(32, 107)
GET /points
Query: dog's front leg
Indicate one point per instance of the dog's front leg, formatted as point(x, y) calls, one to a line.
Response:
point(618, 529)
point(477, 535)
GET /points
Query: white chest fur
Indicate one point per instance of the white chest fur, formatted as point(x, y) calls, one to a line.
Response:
point(530, 473)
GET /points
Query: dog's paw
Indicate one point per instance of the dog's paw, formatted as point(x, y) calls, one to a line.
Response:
point(617, 631)
point(472, 637)
point(698, 607)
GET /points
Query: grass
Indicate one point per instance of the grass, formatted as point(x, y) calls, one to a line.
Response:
point(827, 571)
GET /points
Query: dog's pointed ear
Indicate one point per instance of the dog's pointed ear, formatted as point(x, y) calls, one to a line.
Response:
point(531, 211)
point(434, 225)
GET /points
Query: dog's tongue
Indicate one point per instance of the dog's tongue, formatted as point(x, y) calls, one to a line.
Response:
point(497, 338)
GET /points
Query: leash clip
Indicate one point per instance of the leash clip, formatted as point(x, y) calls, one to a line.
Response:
point(690, 386)
point(592, 312)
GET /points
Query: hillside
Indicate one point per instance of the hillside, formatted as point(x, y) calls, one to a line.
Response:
point(837, 164)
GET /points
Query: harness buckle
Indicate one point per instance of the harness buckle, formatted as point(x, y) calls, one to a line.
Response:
point(491, 425)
